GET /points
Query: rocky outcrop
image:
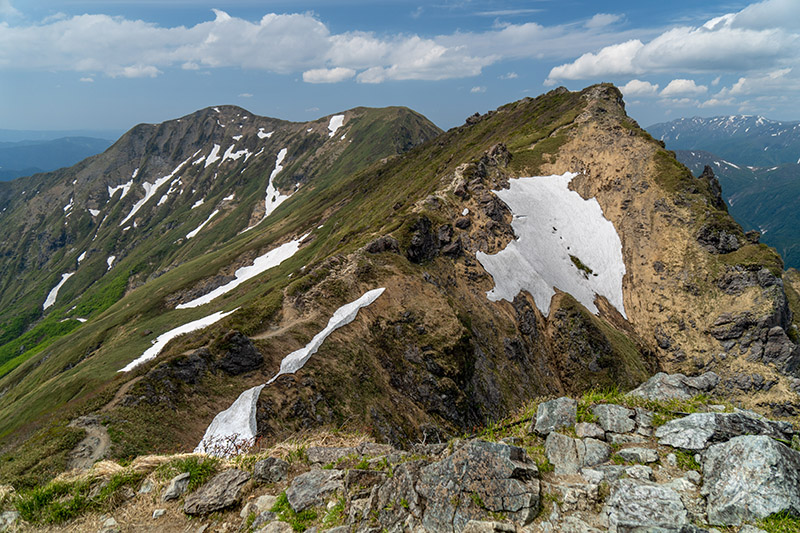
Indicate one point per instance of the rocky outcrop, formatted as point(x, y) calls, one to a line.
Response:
point(238, 354)
point(664, 386)
point(270, 470)
point(222, 491)
point(643, 506)
point(749, 478)
point(555, 414)
point(699, 430)
point(311, 488)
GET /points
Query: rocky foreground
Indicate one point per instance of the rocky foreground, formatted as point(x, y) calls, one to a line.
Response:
point(662, 458)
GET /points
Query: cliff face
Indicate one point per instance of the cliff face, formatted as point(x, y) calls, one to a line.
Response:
point(548, 247)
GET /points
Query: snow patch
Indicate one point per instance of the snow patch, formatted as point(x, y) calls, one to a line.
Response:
point(150, 191)
point(237, 424)
point(195, 231)
point(465, 212)
point(81, 320)
point(229, 198)
point(125, 187)
point(110, 261)
point(335, 123)
point(230, 154)
point(237, 137)
point(213, 156)
point(731, 164)
point(198, 203)
point(552, 225)
point(274, 197)
point(262, 135)
point(162, 340)
point(53, 294)
point(94, 212)
point(81, 257)
point(135, 173)
point(68, 207)
point(261, 264)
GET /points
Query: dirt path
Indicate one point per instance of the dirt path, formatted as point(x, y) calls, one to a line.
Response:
point(123, 390)
point(93, 447)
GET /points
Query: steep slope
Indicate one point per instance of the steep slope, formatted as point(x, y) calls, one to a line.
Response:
point(658, 275)
point(742, 139)
point(759, 198)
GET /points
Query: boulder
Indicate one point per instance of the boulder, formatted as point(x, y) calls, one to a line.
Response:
point(395, 500)
point(221, 492)
point(636, 505)
point(310, 489)
point(664, 386)
point(555, 414)
point(387, 243)
point(7, 519)
point(749, 478)
point(479, 478)
point(699, 430)
point(176, 488)
point(323, 456)
point(588, 429)
point(569, 455)
point(615, 418)
point(270, 470)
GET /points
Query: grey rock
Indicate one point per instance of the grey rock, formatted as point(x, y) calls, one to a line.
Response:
point(7, 519)
point(276, 527)
point(478, 526)
point(664, 386)
point(574, 496)
point(324, 456)
point(310, 489)
point(699, 430)
point(400, 488)
point(589, 429)
point(672, 460)
point(637, 505)
point(373, 449)
point(222, 491)
point(750, 529)
point(642, 472)
point(573, 524)
point(622, 438)
point(147, 486)
point(501, 477)
point(607, 473)
point(693, 476)
point(563, 453)
point(263, 518)
point(638, 455)
point(615, 418)
point(596, 452)
point(555, 414)
point(749, 478)
point(176, 488)
point(158, 513)
point(270, 470)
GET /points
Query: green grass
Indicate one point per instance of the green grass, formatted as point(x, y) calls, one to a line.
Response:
point(40, 458)
point(200, 470)
point(780, 523)
point(60, 501)
point(686, 460)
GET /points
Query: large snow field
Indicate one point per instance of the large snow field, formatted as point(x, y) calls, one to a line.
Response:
point(162, 340)
point(238, 422)
point(552, 223)
point(261, 264)
point(53, 294)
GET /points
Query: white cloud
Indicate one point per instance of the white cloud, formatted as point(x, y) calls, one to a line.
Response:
point(7, 10)
point(87, 79)
point(639, 88)
point(601, 20)
point(612, 60)
point(328, 75)
point(478, 89)
point(246, 95)
point(716, 102)
point(509, 76)
point(762, 36)
point(775, 80)
point(682, 87)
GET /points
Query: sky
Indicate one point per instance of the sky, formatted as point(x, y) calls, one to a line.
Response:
point(111, 64)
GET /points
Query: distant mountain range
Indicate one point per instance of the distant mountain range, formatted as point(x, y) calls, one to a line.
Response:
point(756, 162)
point(27, 157)
point(742, 139)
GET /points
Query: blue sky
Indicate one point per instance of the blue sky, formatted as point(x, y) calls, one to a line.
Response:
point(84, 64)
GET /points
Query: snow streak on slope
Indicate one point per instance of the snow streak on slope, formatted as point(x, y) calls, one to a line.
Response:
point(274, 197)
point(261, 264)
point(53, 294)
point(162, 340)
point(335, 123)
point(264, 135)
point(201, 226)
point(237, 424)
point(125, 188)
point(150, 191)
point(213, 156)
point(553, 225)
